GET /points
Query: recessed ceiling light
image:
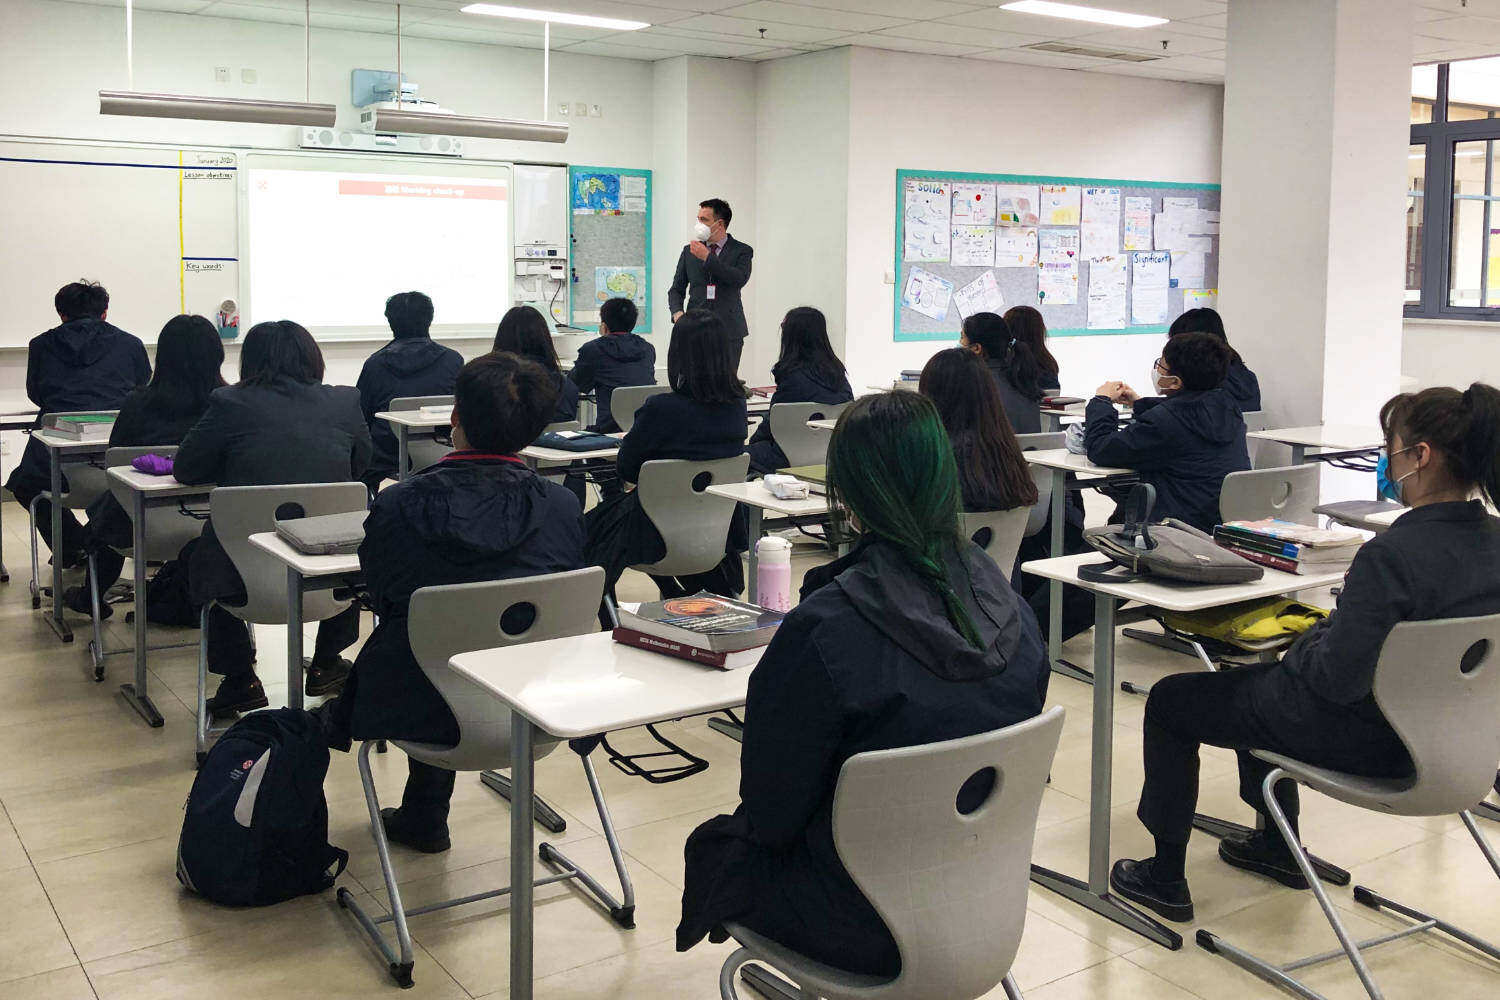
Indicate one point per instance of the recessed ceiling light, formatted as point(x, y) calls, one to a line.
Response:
point(555, 17)
point(1076, 12)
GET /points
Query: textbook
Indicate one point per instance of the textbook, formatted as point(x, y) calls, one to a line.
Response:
point(815, 476)
point(85, 427)
point(1283, 550)
point(656, 644)
point(1060, 402)
point(1296, 539)
point(705, 621)
point(1261, 558)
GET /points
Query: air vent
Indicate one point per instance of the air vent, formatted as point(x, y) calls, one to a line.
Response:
point(1083, 50)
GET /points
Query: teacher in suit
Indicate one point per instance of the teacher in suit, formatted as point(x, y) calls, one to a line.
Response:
point(711, 272)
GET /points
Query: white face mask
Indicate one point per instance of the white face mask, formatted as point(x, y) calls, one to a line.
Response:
point(701, 232)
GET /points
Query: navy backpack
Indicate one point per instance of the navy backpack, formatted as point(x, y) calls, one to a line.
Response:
point(256, 829)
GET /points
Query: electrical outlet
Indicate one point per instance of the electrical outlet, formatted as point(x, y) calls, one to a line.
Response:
point(595, 111)
point(563, 108)
point(247, 76)
point(580, 110)
point(221, 74)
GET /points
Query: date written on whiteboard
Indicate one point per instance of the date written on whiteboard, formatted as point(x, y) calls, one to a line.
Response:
point(213, 159)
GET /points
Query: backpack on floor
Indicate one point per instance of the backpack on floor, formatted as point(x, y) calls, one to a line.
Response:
point(256, 829)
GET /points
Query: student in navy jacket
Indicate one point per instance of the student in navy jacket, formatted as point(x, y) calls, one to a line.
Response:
point(914, 637)
point(1441, 560)
point(479, 514)
point(1183, 444)
point(1029, 328)
point(84, 364)
point(524, 331)
point(807, 372)
point(189, 363)
point(410, 365)
point(991, 472)
point(279, 425)
point(1239, 381)
point(617, 357)
point(1017, 373)
point(701, 419)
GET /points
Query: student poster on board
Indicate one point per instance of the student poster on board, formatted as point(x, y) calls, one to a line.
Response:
point(1060, 204)
point(1106, 298)
point(1150, 274)
point(980, 295)
point(927, 293)
point(1016, 247)
point(1138, 224)
point(1057, 267)
point(973, 204)
point(928, 207)
point(973, 246)
point(1016, 205)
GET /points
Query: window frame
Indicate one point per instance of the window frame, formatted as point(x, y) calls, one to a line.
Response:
point(1440, 138)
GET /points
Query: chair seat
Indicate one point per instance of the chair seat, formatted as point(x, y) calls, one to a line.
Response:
point(456, 758)
point(1380, 794)
point(825, 979)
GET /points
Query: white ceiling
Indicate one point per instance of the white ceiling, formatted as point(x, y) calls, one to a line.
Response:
point(1194, 38)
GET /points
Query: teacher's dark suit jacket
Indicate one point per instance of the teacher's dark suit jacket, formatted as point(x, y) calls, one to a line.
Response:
point(728, 271)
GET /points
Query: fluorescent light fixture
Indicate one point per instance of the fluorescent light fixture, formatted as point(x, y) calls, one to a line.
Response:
point(214, 109)
point(441, 123)
point(555, 17)
point(1077, 12)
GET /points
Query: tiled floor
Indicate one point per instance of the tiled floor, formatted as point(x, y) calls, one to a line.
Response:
point(90, 805)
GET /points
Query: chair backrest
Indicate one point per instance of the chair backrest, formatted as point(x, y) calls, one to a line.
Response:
point(950, 887)
point(999, 533)
point(460, 618)
point(168, 529)
point(693, 523)
point(423, 449)
point(801, 444)
point(417, 402)
point(1289, 493)
point(1256, 420)
point(1047, 441)
point(625, 400)
point(238, 512)
point(564, 425)
point(1438, 685)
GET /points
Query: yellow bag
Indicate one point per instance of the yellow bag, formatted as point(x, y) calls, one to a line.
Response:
point(1254, 622)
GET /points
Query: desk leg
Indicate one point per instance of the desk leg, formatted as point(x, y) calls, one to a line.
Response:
point(752, 570)
point(56, 619)
point(4, 573)
point(521, 848)
point(293, 638)
point(1299, 454)
point(1055, 587)
point(403, 450)
point(135, 694)
point(1094, 894)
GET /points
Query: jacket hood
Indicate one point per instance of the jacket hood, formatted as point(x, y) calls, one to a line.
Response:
point(625, 347)
point(466, 519)
point(411, 355)
point(1211, 415)
point(888, 594)
point(82, 341)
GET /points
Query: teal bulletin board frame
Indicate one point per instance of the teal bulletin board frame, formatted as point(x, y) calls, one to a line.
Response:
point(583, 258)
point(1127, 188)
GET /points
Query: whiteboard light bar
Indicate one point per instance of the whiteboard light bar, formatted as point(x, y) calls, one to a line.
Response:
point(214, 109)
point(439, 123)
point(1077, 12)
point(554, 17)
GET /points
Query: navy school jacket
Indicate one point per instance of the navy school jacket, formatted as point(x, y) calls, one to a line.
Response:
point(800, 385)
point(1025, 413)
point(1240, 382)
point(606, 363)
point(411, 366)
point(566, 408)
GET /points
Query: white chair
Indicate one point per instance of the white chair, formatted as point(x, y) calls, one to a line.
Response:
point(694, 524)
point(1289, 493)
point(801, 444)
point(1438, 684)
point(999, 533)
point(625, 400)
point(168, 530)
point(1046, 441)
point(1256, 420)
point(423, 449)
point(448, 620)
point(237, 512)
point(86, 483)
point(951, 887)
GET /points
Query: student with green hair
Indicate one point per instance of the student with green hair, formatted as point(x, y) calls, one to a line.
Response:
point(914, 637)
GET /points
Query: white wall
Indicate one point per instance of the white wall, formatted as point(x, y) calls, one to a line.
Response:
point(940, 113)
point(1450, 353)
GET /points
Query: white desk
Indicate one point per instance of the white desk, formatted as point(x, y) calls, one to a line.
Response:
point(1094, 893)
point(534, 454)
point(304, 573)
point(403, 422)
point(146, 491)
point(570, 688)
point(1062, 462)
point(17, 420)
point(61, 451)
point(1332, 440)
point(757, 499)
point(1370, 522)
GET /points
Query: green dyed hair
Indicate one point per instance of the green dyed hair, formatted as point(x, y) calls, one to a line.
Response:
point(890, 466)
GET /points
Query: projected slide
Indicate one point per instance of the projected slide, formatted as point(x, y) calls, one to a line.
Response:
point(328, 247)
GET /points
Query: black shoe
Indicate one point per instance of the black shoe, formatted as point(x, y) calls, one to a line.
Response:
point(326, 678)
point(236, 695)
point(399, 831)
point(78, 599)
point(335, 736)
point(1263, 853)
point(1134, 881)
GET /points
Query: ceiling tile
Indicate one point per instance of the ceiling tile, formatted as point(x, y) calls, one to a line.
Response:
point(1022, 24)
point(246, 12)
point(770, 54)
point(1206, 28)
point(718, 24)
point(816, 17)
point(1464, 29)
point(1150, 39)
point(620, 51)
point(1455, 8)
point(937, 31)
point(894, 44)
point(1175, 10)
point(904, 9)
point(1030, 57)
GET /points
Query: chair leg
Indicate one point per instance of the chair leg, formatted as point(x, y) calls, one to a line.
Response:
point(96, 645)
point(1481, 840)
point(36, 562)
point(1488, 811)
point(1012, 991)
point(726, 973)
point(547, 817)
point(400, 965)
point(768, 984)
point(201, 736)
point(622, 912)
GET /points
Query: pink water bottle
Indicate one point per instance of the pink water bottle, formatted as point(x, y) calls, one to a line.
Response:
point(773, 576)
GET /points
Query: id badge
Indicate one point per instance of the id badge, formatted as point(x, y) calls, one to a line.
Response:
point(713, 292)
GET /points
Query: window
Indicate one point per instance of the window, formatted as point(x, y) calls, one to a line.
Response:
point(1455, 129)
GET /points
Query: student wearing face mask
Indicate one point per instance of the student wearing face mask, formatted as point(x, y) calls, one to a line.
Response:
point(1184, 445)
point(1440, 560)
point(712, 271)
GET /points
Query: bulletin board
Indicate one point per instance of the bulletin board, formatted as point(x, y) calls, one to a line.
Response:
point(1083, 226)
point(610, 228)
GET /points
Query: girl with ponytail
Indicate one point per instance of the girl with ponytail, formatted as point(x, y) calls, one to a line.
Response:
point(1018, 374)
point(913, 637)
point(1439, 560)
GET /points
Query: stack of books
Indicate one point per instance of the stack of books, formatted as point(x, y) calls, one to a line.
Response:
point(84, 427)
point(704, 628)
point(1289, 547)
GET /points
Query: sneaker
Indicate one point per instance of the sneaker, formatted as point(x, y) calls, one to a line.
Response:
point(78, 599)
point(1264, 853)
point(1135, 881)
point(326, 678)
point(399, 831)
point(236, 695)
